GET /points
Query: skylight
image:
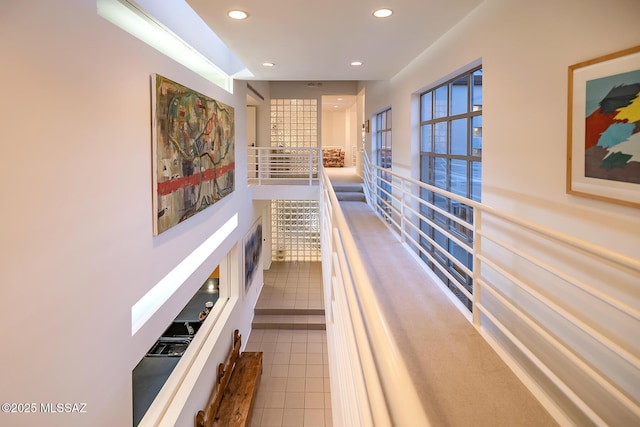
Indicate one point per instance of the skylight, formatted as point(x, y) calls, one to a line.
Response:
point(173, 28)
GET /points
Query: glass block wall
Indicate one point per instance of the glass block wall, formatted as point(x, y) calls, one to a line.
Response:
point(295, 224)
point(295, 230)
point(294, 123)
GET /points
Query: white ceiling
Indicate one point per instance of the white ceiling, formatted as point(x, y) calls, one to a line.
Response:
point(317, 40)
point(337, 103)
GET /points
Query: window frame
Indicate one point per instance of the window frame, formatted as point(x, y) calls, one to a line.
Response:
point(382, 149)
point(439, 113)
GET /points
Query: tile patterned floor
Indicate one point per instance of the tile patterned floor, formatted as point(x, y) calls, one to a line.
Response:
point(292, 285)
point(294, 389)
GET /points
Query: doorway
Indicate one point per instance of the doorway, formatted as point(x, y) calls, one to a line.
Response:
point(340, 126)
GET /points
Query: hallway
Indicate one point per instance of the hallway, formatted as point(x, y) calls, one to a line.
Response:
point(449, 361)
point(294, 389)
point(460, 379)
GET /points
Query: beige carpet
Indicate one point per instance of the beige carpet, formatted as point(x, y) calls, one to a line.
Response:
point(343, 176)
point(460, 379)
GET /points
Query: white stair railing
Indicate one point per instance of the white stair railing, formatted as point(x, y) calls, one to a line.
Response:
point(375, 387)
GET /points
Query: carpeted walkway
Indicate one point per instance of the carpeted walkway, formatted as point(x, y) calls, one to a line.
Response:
point(460, 379)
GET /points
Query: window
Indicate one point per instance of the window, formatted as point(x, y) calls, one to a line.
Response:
point(382, 158)
point(451, 159)
point(382, 148)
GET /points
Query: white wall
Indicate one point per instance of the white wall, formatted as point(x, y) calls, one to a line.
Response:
point(334, 125)
point(76, 230)
point(525, 49)
point(263, 112)
point(362, 116)
point(353, 135)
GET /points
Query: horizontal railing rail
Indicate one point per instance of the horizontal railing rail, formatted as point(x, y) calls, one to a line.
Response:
point(283, 165)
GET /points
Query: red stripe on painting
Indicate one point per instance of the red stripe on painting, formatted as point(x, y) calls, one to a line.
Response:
point(169, 186)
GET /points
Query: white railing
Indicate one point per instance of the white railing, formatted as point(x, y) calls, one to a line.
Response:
point(398, 200)
point(286, 166)
point(375, 386)
point(567, 307)
point(363, 395)
point(526, 277)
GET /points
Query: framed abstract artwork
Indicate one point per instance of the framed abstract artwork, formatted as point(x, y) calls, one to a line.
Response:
point(603, 130)
point(252, 253)
point(193, 152)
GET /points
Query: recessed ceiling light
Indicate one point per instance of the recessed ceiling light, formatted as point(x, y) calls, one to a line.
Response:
point(356, 63)
point(268, 64)
point(339, 99)
point(382, 13)
point(237, 14)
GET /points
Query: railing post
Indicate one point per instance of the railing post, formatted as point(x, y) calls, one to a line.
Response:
point(310, 166)
point(477, 245)
point(260, 166)
point(371, 187)
point(403, 190)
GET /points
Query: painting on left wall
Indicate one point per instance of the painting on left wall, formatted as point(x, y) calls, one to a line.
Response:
point(252, 253)
point(193, 152)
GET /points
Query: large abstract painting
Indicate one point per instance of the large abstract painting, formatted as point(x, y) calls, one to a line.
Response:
point(193, 152)
point(604, 128)
point(252, 252)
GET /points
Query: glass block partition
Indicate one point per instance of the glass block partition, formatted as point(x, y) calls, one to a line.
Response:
point(294, 122)
point(295, 223)
point(295, 230)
